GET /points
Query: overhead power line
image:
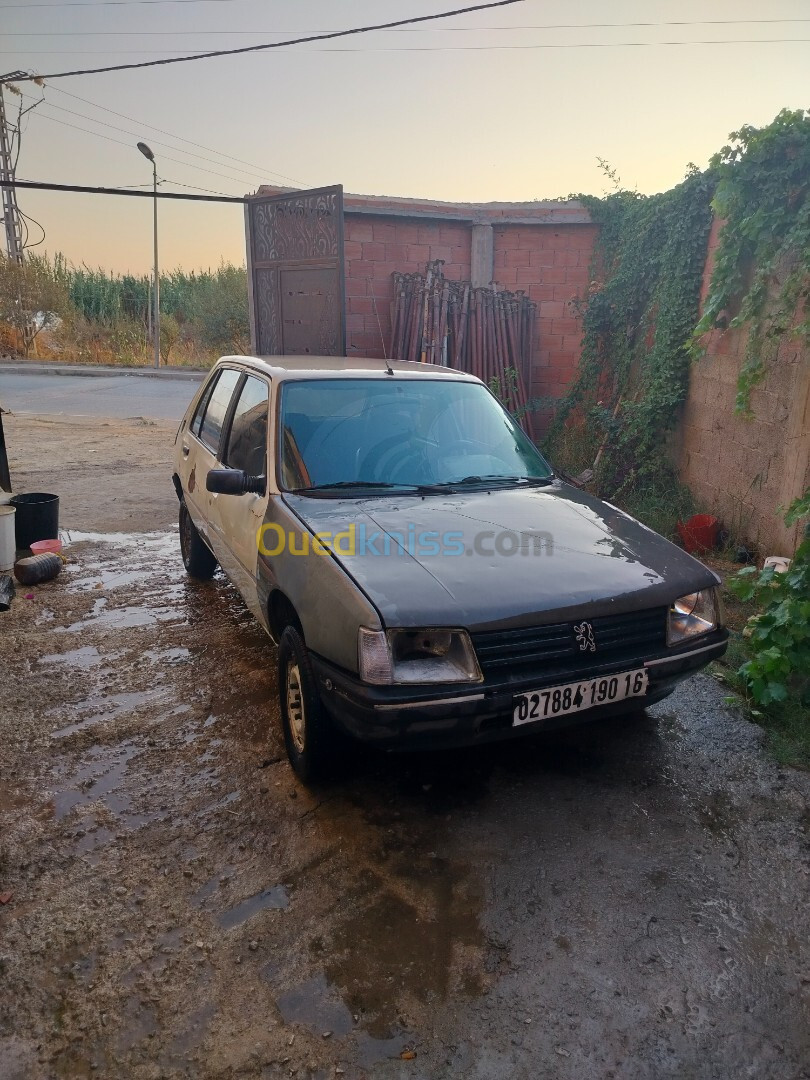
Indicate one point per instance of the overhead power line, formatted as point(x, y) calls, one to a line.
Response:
point(257, 173)
point(259, 169)
point(123, 142)
point(412, 20)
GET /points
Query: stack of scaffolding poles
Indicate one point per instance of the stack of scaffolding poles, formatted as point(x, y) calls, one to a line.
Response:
point(487, 332)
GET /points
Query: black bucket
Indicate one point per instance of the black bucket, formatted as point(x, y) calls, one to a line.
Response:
point(37, 518)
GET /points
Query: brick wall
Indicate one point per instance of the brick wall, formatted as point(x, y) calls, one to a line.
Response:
point(374, 248)
point(743, 470)
point(550, 262)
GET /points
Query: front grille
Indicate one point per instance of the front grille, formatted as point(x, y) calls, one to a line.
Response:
point(548, 651)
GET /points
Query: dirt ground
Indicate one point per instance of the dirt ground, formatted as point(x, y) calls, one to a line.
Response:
point(629, 900)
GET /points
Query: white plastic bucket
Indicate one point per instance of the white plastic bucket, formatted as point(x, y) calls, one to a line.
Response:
point(7, 544)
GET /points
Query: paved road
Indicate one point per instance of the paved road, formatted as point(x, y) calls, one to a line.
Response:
point(119, 396)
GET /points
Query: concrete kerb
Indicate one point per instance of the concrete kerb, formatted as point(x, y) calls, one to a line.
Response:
point(97, 371)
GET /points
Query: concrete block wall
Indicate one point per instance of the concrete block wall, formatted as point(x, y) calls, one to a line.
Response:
point(743, 470)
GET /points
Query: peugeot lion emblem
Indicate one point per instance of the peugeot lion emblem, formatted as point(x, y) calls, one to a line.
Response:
point(585, 638)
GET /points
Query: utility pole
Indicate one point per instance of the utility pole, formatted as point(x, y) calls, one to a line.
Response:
point(11, 213)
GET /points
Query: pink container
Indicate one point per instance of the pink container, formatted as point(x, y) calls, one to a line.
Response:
point(41, 546)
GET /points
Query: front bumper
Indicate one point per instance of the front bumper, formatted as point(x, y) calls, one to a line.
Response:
point(405, 717)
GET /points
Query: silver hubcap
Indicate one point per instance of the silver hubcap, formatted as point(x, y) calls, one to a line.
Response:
point(295, 707)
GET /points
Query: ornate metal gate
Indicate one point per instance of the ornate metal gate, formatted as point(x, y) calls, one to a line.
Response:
point(296, 273)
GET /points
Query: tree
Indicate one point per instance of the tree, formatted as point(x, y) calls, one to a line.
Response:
point(33, 297)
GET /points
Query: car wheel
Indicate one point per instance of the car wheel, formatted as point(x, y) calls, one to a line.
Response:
point(197, 558)
point(309, 735)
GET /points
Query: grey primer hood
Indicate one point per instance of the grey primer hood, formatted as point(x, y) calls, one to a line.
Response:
point(586, 555)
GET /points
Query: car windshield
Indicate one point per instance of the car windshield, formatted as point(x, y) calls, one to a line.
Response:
point(373, 434)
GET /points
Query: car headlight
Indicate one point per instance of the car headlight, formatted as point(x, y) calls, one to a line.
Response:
point(693, 614)
point(416, 656)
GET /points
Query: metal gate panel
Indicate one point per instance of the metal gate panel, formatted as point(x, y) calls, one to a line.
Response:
point(296, 273)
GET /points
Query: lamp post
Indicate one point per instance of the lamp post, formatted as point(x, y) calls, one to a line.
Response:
point(147, 153)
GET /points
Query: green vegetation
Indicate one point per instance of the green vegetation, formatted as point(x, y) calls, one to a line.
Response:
point(638, 318)
point(105, 318)
point(761, 274)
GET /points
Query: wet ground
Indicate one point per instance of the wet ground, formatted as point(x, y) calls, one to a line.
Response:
point(629, 900)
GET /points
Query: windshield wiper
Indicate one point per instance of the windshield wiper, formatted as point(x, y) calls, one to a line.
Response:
point(490, 477)
point(374, 485)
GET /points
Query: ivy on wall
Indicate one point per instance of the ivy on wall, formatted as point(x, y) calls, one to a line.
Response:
point(642, 326)
point(638, 319)
point(761, 273)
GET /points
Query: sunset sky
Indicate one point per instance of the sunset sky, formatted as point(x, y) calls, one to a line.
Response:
point(440, 113)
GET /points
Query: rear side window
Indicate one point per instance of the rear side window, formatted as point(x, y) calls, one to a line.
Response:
point(247, 441)
point(202, 405)
point(216, 409)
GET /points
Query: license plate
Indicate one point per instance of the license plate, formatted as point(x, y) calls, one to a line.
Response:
point(578, 696)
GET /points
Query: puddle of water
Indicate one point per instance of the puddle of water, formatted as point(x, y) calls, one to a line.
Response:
point(151, 545)
point(373, 1051)
point(390, 947)
point(101, 778)
point(125, 618)
point(107, 708)
point(274, 898)
point(86, 657)
point(168, 656)
point(315, 1005)
point(138, 1022)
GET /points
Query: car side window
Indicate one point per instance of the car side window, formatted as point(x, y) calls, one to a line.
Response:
point(217, 408)
point(202, 405)
point(247, 440)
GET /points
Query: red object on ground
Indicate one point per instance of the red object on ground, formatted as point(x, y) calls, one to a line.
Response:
point(699, 533)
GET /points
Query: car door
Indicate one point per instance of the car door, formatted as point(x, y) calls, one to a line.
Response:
point(200, 443)
point(236, 519)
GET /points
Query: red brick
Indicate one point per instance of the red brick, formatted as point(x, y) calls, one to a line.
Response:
point(354, 323)
point(565, 326)
point(542, 257)
point(566, 293)
point(358, 230)
point(352, 249)
point(356, 286)
point(551, 342)
point(441, 251)
point(551, 309)
point(360, 305)
point(541, 292)
point(566, 258)
point(384, 231)
point(419, 253)
point(516, 257)
point(507, 239)
point(554, 275)
point(573, 342)
point(578, 275)
point(506, 275)
point(373, 252)
point(529, 275)
point(428, 234)
point(407, 233)
point(396, 253)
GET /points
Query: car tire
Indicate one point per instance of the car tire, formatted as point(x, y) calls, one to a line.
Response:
point(197, 557)
point(309, 735)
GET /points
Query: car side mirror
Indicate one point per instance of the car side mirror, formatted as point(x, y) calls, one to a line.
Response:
point(234, 482)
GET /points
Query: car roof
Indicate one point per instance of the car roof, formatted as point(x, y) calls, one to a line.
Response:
point(282, 368)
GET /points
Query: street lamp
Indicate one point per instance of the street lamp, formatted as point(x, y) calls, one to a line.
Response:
point(147, 153)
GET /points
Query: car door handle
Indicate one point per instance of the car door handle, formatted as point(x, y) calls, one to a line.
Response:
point(186, 449)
